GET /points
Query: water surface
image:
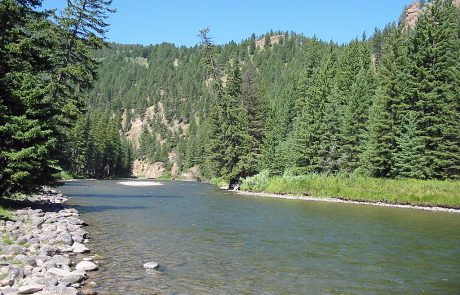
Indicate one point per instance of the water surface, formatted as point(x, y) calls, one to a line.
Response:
point(214, 242)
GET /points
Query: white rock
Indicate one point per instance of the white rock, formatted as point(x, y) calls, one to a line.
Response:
point(151, 265)
point(86, 266)
point(80, 248)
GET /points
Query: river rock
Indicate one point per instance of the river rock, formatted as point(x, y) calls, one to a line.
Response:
point(22, 240)
point(59, 272)
point(56, 290)
point(77, 239)
point(73, 278)
point(80, 248)
point(30, 289)
point(86, 266)
point(38, 221)
point(16, 273)
point(92, 284)
point(73, 227)
point(6, 282)
point(75, 221)
point(28, 270)
point(60, 260)
point(47, 280)
point(88, 291)
point(151, 265)
point(49, 264)
point(64, 238)
point(12, 250)
point(9, 291)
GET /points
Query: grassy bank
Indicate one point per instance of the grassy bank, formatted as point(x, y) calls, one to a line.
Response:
point(360, 188)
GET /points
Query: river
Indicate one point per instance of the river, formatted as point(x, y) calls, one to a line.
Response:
point(209, 241)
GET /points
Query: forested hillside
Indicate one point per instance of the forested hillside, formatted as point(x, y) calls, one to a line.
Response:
point(385, 106)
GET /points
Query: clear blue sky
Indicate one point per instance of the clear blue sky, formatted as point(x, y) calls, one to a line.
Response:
point(178, 21)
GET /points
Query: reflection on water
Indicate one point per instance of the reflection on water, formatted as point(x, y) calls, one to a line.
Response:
point(213, 242)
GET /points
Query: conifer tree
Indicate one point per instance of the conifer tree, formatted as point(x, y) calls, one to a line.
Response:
point(28, 154)
point(434, 47)
point(379, 152)
point(354, 121)
point(409, 160)
point(256, 112)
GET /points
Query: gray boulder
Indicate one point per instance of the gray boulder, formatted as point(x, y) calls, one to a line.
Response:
point(30, 289)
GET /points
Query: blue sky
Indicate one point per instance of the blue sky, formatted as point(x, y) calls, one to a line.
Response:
point(178, 21)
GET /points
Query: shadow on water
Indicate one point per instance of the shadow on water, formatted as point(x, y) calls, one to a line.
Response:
point(110, 196)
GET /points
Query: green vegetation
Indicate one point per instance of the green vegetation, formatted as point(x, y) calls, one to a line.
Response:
point(46, 63)
point(383, 107)
point(6, 213)
point(65, 175)
point(359, 188)
point(7, 240)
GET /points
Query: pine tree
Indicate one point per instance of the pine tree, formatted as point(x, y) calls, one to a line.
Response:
point(276, 153)
point(381, 141)
point(434, 47)
point(252, 44)
point(78, 146)
point(28, 140)
point(256, 111)
point(330, 139)
point(409, 160)
point(354, 121)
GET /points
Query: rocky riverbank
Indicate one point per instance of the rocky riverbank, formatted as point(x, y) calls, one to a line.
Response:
point(43, 250)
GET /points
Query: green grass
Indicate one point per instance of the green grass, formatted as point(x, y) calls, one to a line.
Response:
point(6, 213)
point(165, 176)
point(7, 240)
point(361, 188)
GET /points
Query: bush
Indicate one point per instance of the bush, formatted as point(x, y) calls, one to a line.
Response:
point(220, 182)
point(257, 182)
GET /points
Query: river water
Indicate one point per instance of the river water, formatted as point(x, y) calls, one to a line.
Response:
point(212, 242)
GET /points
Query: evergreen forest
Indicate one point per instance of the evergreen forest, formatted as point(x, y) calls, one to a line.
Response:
point(384, 106)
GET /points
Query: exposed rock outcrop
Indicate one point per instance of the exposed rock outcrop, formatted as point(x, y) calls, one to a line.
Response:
point(144, 169)
point(411, 14)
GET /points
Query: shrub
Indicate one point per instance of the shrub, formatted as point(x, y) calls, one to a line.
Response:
point(257, 182)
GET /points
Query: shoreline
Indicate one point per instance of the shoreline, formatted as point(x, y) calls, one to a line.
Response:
point(43, 249)
point(337, 200)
